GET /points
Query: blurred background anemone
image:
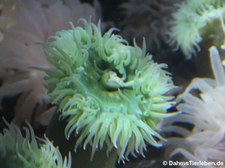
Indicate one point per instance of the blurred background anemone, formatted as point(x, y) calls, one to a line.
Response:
point(197, 22)
point(145, 20)
point(30, 23)
point(21, 149)
point(195, 27)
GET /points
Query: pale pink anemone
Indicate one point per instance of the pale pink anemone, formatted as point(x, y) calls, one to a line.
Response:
point(21, 50)
point(204, 111)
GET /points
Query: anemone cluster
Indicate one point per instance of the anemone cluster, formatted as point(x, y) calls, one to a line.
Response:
point(111, 96)
point(110, 93)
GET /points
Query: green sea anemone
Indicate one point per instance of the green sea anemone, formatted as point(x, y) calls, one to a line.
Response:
point(110, 93)
point(195, 20)
point(17, 151)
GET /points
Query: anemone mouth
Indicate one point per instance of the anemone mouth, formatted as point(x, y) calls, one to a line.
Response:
point(100, 80)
